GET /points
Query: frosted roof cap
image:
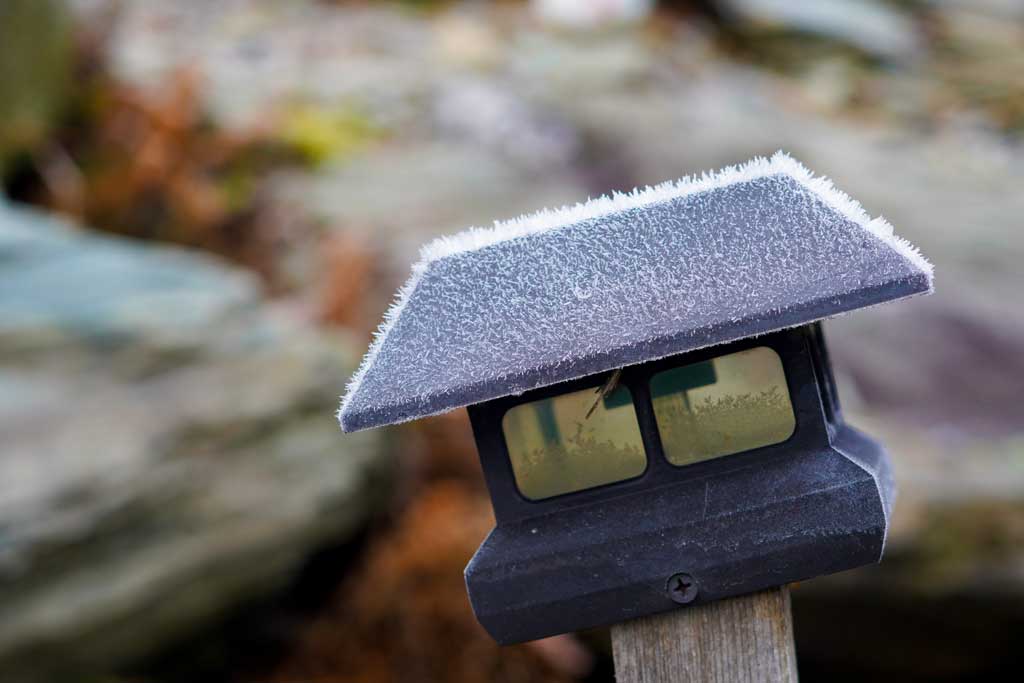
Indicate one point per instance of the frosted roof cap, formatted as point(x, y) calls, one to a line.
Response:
point(619, 280)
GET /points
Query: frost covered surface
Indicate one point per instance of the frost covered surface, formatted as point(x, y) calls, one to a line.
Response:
point(620, 280)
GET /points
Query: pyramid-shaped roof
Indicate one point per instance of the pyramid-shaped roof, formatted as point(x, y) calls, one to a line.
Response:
point(616, 281)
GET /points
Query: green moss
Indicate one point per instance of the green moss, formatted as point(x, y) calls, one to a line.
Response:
point(319, 134)
point(35, 71)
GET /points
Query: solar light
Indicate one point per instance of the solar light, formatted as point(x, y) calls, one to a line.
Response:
point(650, 393)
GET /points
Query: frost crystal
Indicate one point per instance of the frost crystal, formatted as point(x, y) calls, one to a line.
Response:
point(619, 280)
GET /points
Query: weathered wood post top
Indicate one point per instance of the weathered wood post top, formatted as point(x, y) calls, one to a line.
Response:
point(650, 392)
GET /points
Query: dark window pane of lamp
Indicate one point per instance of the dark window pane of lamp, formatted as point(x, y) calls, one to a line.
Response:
point(726, 405)
point(573, 442)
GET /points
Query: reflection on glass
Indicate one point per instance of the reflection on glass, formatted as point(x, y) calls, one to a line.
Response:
point(556, 448)
point(725, 405)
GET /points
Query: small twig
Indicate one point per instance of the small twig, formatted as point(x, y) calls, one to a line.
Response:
point(607, 388)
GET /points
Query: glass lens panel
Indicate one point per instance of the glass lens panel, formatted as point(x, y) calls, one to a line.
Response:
point(556, 448)
point(725, 405)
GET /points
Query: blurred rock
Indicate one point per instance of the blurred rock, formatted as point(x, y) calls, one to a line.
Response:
point(872, 27)
point(465, 40)
point(256, 54)
point(591, 14)
point(979, 60)
point(443, 186)
point(65, 288)
point(170, 449)
point(488, 115)
point(1006, 9)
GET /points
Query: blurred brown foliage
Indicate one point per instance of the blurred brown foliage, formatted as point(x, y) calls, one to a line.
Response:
point(346, 279)
point(150, 165)
point(404, 614)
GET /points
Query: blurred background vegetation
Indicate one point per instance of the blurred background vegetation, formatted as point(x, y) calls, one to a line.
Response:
point(207, 205)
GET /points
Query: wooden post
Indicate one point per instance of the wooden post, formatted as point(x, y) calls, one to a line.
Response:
point(749, 638)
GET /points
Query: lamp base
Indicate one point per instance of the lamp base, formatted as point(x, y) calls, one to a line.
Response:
point(745, 529)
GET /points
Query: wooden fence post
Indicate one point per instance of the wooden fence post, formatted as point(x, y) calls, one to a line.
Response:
point(749, 638)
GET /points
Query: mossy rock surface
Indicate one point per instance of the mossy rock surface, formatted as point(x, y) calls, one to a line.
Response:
point(170, 447)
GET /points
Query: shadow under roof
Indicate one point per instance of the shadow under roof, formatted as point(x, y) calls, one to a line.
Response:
point(616, 281)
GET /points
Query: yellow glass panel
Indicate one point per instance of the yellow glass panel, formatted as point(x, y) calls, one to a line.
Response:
point(726, 405)
point(556, 448)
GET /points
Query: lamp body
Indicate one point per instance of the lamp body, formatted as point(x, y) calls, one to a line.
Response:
point(817, 503)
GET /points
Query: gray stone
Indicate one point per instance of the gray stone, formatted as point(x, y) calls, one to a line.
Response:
point(443, 187)
point(169, 449)
point(66, 287)
point(1003, 9)
point(872, 27)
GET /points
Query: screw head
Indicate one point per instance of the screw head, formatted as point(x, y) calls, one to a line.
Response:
point(681, 588)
